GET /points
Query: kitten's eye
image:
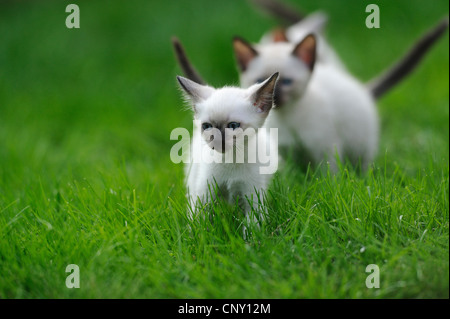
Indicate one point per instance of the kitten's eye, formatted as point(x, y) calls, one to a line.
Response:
point(206, 126)
point(286, 81)
point(233, 125)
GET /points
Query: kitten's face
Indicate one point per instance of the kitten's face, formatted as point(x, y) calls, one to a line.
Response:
point(294, 62)
point(225, 114)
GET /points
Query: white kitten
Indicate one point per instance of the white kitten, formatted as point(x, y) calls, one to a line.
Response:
point(321, 109)
point(222, 117)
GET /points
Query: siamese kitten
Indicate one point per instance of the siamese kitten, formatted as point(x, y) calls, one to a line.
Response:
point(322, 110)
point(223, 118)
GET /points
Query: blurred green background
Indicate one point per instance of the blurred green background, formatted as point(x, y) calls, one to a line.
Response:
point(110, 87)
point(96, 105)
point(79, 97)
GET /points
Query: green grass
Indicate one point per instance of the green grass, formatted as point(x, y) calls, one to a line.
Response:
point(86, 177)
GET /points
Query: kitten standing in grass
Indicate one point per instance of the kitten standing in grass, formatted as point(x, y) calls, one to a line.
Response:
point(323, 112)
point(319, 106)
point(224, 117)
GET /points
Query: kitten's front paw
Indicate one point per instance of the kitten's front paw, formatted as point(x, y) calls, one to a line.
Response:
point(251, 223)
point(245, 233)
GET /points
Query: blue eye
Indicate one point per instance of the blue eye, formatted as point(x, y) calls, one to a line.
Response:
point(286, 81)
point(233, 125)
point(206, 126)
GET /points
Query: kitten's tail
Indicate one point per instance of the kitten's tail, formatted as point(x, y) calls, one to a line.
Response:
point(280, 10)
point(188, 69)
point(383, 83)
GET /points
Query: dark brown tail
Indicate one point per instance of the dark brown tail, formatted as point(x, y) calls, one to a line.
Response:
point(383, 83)
point(280, 10)
point(188, 70)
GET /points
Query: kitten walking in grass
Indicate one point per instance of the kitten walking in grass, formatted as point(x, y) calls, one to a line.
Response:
point(320, 107)
point(228, 143)
point(323, 112)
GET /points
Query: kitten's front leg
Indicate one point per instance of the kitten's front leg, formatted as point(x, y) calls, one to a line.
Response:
point(331, 157)
point(255, 210)
point(198, 199)
point(201, 194)
point(249, 199)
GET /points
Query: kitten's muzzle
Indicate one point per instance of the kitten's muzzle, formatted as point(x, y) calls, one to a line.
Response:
point(215, 139)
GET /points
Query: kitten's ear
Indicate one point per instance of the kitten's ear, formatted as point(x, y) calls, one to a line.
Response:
point(194, 91)
point(262, 99)
point(244, 52)
point(306, 51)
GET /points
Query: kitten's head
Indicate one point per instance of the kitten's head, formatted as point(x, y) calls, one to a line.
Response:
point(295, 62)
point(226, 113)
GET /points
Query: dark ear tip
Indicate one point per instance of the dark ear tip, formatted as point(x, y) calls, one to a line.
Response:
point(238, 40)
point(274, 77)
point(180, 79)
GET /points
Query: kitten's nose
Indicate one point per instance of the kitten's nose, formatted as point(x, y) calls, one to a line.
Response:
point(215, 139)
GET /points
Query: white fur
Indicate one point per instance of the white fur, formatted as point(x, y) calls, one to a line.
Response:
point(313, 23)
point(234, 180)
point(326, 111)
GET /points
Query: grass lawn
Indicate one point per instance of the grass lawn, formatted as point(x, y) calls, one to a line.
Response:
point(86, 176)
